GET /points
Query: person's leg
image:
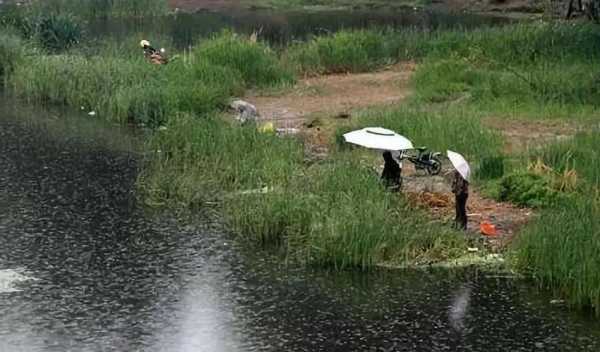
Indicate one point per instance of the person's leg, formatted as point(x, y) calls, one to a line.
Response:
point(457, 208)
point(463, 211)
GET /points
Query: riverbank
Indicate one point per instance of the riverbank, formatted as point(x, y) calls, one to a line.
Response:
point(331, 210)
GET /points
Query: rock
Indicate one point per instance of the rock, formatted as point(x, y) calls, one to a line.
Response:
point(244, 110)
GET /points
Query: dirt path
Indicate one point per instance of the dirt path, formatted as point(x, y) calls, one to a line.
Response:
point(334, 95)
point(519, 134)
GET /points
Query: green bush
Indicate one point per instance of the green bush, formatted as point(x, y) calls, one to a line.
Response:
point(258, 65)
point(527, 189)
point(58, 32)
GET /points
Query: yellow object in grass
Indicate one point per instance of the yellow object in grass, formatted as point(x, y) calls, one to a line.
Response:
point(267, 128)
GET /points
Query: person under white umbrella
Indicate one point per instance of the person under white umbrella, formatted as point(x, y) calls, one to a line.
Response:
point(388, 141)
point(460, 187)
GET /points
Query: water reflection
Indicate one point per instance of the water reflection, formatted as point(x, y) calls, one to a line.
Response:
point(282, 27)
point(114, 278)
point(459, 307)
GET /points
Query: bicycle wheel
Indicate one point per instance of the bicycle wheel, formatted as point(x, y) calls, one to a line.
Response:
point(435, 167)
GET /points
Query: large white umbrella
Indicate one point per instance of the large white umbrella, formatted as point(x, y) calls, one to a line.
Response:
point(460, 164)
point(378, 138)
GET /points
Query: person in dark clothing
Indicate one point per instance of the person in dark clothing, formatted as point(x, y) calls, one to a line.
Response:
point(391, 175)
point(460, 188)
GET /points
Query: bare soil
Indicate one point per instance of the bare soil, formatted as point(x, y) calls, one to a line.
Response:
point(334, 95)
point(522, 134)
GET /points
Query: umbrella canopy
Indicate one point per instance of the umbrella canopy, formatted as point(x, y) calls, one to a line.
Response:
point(378, 138)
point(460, 164)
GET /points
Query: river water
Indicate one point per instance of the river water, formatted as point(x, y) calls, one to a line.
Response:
point(280, 28)
point(84, 268)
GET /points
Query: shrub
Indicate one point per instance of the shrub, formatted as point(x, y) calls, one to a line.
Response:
point(58, 32)
point(528, 189)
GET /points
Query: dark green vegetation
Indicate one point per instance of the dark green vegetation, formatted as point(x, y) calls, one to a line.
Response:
point(335, 212)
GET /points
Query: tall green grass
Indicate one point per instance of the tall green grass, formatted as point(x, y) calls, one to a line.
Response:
point(337, 214)
point(455, 129)
point(333, 213)
point(199, 160)
point(345, 51)
point(560, 249)
point(581, 153)
point(54, 31)
point(129, 89)
point(547, 68)
point(12, 53)
point(257, 63)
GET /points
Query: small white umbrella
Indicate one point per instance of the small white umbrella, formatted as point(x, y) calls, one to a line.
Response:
point(460, 164)
point(378, 138)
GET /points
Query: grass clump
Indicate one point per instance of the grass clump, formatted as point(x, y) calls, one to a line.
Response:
point(12, 53)
point(344, 51)
point(580, 153)
point(53, 31)
point(206, 159)
point(561, 250)
point(491, 167)
point(257, 63)
point(527, 189)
